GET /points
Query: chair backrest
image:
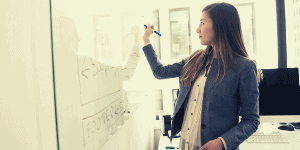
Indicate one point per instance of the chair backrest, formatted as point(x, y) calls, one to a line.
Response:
point(279, 89)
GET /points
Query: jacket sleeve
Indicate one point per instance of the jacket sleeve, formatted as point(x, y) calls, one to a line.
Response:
point(248, 108)
point(160, 71)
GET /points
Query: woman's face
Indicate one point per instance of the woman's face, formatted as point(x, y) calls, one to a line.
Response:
point(205, 30)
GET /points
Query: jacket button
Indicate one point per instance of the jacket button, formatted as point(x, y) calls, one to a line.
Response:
point(203, 126)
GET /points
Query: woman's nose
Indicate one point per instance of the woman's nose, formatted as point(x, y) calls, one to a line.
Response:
point(198, 30)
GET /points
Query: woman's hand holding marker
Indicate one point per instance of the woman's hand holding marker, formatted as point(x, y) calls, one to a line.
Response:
point(148, 33)
point(153, 31)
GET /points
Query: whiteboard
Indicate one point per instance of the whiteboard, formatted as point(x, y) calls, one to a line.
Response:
point(95, 52)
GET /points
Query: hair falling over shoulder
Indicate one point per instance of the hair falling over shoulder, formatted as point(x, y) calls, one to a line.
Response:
point(193, 65)
point(228, 41)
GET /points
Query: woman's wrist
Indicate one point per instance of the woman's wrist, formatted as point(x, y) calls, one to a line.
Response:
point(146, 42)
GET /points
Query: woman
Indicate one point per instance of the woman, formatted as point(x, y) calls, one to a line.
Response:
point(217, 84)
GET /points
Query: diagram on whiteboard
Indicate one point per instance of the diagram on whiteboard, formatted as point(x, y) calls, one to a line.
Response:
point(101, 83)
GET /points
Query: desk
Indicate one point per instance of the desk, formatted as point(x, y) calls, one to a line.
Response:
point(165, 141)
point(292, 136)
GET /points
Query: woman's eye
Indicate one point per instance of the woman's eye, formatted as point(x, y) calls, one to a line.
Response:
point(201, 22)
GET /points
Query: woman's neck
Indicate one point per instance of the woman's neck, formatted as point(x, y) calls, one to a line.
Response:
point(212, 55)
point(214, 52)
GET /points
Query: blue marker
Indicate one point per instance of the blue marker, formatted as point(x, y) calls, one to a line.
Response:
point(154, 31)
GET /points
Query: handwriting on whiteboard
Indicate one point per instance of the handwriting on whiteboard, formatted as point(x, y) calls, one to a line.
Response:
point(96, 124)
point(97, 80)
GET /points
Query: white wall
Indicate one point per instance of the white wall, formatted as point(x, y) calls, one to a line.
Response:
point(26, 89)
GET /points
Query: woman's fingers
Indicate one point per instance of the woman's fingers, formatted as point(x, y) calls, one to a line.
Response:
point(149, 29)
point(152, 27)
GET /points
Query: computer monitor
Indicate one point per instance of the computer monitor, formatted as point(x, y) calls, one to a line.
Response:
point(279, 95)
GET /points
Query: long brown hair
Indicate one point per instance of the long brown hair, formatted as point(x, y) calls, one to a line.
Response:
point(228, 41)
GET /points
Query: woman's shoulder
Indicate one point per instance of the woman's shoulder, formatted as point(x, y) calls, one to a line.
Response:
point(243, 62)
point(193, 54)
